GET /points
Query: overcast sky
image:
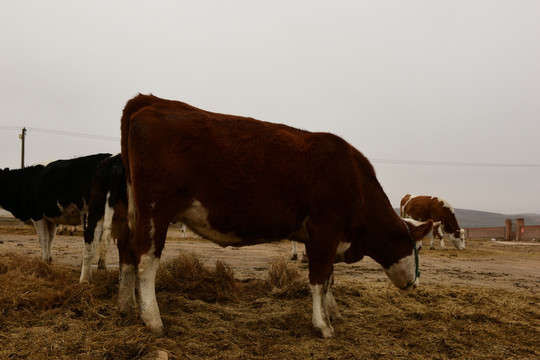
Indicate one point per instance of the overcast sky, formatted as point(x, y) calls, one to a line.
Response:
point(424, 89)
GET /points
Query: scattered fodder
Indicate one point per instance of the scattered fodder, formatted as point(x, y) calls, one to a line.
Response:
point(189, 276)
point(286, 280)
point(45, 313)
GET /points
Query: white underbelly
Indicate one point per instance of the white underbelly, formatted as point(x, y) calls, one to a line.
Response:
point(196, 217)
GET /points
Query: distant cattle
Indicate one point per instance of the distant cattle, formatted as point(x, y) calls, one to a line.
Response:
point(67, 229)
point(107, 212)
point(424, 208)
point(49, 195)
point(239, 181)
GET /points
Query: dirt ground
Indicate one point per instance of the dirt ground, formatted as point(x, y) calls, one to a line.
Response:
point(483, 302)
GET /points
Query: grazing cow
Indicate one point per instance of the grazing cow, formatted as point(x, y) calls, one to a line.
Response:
point(424, 208)
point(49, 195)
point(239, 181)
point(107, 212)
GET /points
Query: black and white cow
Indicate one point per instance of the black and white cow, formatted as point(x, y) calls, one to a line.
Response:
point(107, 211)
point(49, 195)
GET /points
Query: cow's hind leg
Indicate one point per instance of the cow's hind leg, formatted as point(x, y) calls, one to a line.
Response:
point(43, 235)
point(127, 304)
point(294, 254)
point(105, 238)
point(52, 234)
point(89, 251)
point(147, 269)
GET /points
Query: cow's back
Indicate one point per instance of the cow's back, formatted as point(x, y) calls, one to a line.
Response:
point(423, 208)
point(66, 182)
point(17, 192)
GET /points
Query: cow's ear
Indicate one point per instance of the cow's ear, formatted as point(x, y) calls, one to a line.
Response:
point(419, 229)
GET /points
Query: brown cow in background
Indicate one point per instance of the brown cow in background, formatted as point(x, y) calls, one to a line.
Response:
point(424, 208)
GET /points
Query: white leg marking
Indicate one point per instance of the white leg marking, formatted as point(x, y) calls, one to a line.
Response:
point(320, 318)
point(89, 251)
point(342, 247)
point(43, 235)
point(147, 287)
point(183, 230)
point(105, 238)
point(294, 254)
point(126, 289)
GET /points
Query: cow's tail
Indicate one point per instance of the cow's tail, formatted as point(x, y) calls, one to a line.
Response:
point(130, 110)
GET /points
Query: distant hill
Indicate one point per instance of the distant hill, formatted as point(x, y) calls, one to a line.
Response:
point(476, 219)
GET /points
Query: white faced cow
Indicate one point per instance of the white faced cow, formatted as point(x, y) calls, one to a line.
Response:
point(49, 195)
point(240, 181)
point(424, 208)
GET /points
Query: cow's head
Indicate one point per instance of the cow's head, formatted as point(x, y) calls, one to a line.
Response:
point(405, 272)
point(458, 239)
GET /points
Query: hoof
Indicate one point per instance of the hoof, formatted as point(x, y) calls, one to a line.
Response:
point(85, 281)
point(159, 331)
point(327, 333)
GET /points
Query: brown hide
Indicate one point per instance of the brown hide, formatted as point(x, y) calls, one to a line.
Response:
point(424, 208)
point(258, 180)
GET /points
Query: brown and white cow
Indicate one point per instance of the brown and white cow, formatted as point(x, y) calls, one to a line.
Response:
point(239, 181)
point(438, 210)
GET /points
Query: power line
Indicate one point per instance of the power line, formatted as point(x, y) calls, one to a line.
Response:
point(76, 134)
point(64, 133)
point(384, 161)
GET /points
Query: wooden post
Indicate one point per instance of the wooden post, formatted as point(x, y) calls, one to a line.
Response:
point(22, 136)
point(508, 230)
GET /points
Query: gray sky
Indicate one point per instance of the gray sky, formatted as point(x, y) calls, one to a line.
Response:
point(431, 84)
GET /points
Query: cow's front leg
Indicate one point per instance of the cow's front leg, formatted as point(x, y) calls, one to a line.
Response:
point(431, 246)
point(321, 318)
point(89, 251)
point(329, 302)
point(127, 304)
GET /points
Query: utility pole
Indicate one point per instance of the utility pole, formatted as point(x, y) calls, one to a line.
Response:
point(22, 135)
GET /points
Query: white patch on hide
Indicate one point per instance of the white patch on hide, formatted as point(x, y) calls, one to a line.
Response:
point(342, 247)
point(196, 217)
point(403, 272)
